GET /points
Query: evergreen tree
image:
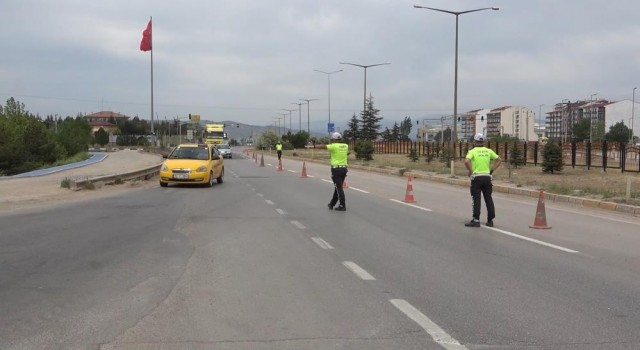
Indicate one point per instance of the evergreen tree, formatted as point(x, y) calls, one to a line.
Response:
point(101, 136)
point(395, 132)
point(516, 157)
point(386, 135)
point(405, 129)
point(551, 158)
point(370, 121)
point(353, 131)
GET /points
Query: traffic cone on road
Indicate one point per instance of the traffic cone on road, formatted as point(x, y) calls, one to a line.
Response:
point(262, 160)
point(540, 220)
point(304, 170)
point(280, 165)
point(408, 197)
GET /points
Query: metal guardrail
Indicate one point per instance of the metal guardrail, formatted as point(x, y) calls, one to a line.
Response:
point(140, 174)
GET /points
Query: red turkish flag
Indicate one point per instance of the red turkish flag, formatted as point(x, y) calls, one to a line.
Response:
point(145, 44)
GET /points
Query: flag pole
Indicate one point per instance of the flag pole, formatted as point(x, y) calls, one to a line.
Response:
point(153, 135)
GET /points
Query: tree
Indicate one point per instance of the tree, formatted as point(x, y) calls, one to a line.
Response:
point(267, 140)
point(395, 132)
point(364, 150)
point(386, 135)
point(551, 158)
point(405, 129)
point(369, 121)
point(353, 131)
point(618, 133)
point(102, 138)
point(581, 130)
point(516, 157)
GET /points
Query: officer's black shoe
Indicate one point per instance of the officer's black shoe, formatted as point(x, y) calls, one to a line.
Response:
point(340, 208)
point(330, 206)
point(490, 223)
point(473, 223)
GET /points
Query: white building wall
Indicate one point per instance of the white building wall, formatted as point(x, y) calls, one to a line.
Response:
point(621, 111)
point(481, 121)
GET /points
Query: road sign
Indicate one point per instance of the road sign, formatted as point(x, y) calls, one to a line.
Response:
point(194, 117)
point(331, 127)
point(189, 134)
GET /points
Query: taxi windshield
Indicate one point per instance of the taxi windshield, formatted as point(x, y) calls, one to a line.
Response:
point(190, 153)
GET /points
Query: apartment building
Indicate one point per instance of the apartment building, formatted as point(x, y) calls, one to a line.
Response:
point(515, 121)
point(471, 123)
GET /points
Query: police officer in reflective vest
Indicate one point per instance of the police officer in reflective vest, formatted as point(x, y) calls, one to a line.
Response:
point(339, 152)
point(279, 149)
point(480, 167)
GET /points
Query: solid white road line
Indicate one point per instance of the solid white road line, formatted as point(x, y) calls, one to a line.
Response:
point(322, 243)
point(310, 175)
point(409, 204)
point(438, 334)
point(281, 212)
point(329, 181)
point(291, 171)
point(534, 240)
point(359, 271)
point(298, 224)
point(269, 202)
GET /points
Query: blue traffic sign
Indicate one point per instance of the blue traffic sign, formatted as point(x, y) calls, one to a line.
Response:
point(331, 127)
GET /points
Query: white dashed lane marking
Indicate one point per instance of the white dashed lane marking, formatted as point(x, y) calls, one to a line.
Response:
point(322, 243)
point(359, 271)
point(438, 334)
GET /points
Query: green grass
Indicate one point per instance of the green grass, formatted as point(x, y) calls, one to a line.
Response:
point(78, 157)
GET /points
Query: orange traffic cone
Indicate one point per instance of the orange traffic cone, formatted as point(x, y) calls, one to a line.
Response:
point(304, 170)
point(408, 198)
point(262, 160)
point(541, 217)
point(280, 165)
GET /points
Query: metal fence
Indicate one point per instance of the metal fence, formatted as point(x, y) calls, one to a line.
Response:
point(602, 155)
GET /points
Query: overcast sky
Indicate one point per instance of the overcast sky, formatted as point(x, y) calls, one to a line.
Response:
point(246, 61)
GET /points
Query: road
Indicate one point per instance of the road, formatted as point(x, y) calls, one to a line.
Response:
point(259, 262)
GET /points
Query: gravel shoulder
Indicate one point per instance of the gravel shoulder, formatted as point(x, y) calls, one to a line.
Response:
point(36, 192)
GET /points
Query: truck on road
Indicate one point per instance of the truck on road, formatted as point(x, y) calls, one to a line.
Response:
point(214, 134)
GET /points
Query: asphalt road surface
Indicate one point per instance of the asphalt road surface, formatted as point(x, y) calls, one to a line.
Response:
point(259, 262)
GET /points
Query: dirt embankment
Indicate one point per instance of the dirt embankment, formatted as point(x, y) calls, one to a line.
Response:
point(18, 193)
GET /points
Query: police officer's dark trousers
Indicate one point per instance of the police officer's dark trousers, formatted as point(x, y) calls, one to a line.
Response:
point(279, 154)
point(482, 185)
point(338, 175)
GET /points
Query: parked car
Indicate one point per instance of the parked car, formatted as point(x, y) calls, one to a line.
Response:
point(192, 164)
point(225, 150)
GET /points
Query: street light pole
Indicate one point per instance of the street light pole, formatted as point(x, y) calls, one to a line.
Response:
point(285, 121)
point(365, 79)
point(307, 100)
point(455, 82)
point(591, 117)
point(299, 114)
point(284, 125)
point(329, 92)
point(633, 106)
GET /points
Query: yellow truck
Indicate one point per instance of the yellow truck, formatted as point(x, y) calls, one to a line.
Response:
point(214, 134)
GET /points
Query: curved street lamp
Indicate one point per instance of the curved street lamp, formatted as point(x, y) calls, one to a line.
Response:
point(329, 94)
point(307, 101)
point(365, 78)
point(455, 82)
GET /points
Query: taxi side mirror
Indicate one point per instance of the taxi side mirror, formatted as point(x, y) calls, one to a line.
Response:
point(215, 157)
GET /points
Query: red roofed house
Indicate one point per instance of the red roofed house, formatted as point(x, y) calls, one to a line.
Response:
point(103, 120)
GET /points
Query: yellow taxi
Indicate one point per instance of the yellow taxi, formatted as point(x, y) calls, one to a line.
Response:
point(192, 164)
